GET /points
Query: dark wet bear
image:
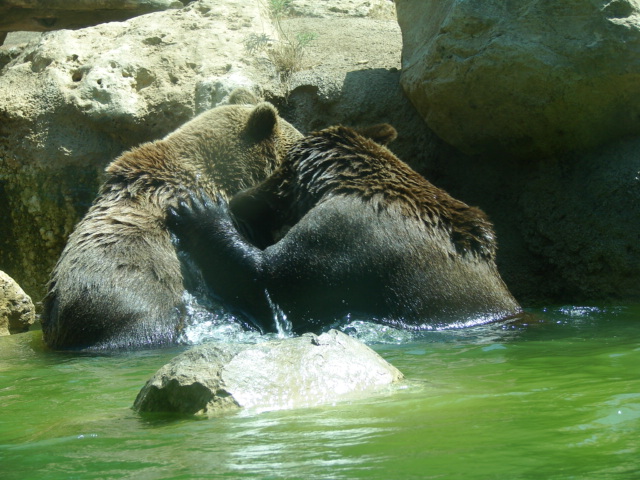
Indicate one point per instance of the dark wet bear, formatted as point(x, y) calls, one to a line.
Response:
point(369, 238)
point(118, 282)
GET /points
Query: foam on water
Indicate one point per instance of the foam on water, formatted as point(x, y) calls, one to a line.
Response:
point(213, 323)
point(208, 321)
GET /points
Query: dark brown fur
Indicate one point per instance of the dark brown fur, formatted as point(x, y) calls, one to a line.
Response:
point(341, 161)
point(345, 228)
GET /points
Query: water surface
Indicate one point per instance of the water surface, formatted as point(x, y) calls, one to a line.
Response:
point(556, 397)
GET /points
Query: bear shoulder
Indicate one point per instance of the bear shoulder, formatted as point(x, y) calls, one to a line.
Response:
point(356, 162)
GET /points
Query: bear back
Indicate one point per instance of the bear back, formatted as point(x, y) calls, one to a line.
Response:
point(341, 161)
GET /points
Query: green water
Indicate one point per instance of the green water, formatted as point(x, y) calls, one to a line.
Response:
point(557, 398)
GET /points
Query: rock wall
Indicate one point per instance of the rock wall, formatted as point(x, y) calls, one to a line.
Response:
point(566, 225)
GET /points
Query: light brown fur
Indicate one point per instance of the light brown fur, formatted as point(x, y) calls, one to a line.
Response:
point(119, 282)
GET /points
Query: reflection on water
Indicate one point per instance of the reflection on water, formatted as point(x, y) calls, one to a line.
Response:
point(553, 395)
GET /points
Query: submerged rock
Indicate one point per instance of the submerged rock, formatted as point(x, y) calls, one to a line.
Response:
point(17, 312)
point(295, 372)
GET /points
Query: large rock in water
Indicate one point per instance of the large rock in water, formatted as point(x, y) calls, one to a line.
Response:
point(295, 372)
point(17, 312)
point(528, 78)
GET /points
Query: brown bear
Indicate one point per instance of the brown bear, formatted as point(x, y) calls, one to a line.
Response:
point(119, 281)
point(369, 237)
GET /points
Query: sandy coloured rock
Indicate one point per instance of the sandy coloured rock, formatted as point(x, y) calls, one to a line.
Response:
point(528, 78)
point(17, 312)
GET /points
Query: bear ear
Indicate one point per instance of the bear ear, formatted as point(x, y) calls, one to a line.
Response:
point(242, 96)
point(383, 133)
point(262, 121)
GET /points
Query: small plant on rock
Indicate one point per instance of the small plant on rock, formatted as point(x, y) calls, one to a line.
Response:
point(287, 53)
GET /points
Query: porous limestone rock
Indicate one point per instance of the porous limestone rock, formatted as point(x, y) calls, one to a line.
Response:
point(295, 372)
point(524, 78)
point(17, 312)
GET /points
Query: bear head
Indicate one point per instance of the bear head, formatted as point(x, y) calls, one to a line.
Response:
point(221, 151)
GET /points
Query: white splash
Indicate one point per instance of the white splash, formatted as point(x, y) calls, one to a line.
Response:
point(212, 323)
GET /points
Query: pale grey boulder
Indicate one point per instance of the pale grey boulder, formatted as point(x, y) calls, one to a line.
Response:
point(191, 383)
point(295, 372)
point(527, 78)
